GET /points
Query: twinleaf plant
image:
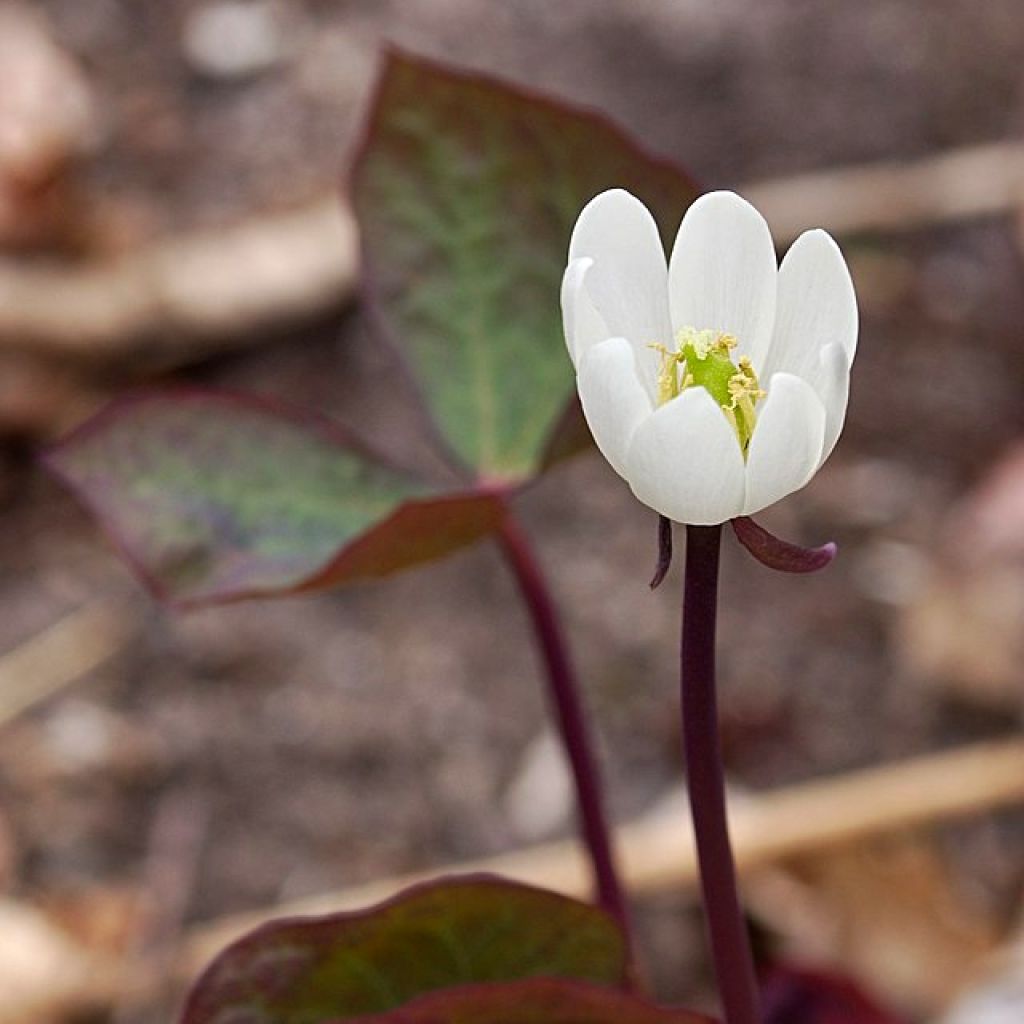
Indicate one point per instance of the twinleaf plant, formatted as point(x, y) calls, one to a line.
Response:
point(466, 191)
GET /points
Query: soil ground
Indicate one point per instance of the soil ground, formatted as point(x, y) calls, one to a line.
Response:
point(338, 738)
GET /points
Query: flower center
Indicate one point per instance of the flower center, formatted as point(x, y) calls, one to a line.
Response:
point(702, 359)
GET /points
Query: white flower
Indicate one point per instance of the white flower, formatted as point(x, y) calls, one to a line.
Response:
point(717, 384)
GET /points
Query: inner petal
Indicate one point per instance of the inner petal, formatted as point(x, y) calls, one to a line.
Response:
point(723, 272)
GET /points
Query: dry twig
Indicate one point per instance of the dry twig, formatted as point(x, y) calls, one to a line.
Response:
point(962, 184)
point(61, 654)
point(182, 297)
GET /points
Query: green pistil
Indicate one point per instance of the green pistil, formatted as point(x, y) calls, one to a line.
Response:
point(702, 359)
point(710, 365)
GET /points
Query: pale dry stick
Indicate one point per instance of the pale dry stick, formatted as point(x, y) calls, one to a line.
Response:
point(177, 298)
point(61, 654)
point(959, 185)
point(180, 299)
point(658, 853)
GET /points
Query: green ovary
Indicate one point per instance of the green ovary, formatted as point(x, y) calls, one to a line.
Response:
point(702, 359)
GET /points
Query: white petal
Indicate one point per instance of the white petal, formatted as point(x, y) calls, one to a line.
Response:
point(582, 323)
point(722, 272)
point(627, 282)
point(786, 447)
point(817, 306)
point(831, 382)
point(613, 399)
point(685, 461)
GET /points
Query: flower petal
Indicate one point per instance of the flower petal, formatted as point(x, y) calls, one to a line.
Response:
point(831, 381)
point(613, 399)
point(685, 461)
point(817, 306)
point(582, 323)
point(722, 272)
point(786, 447)
point(627, 283)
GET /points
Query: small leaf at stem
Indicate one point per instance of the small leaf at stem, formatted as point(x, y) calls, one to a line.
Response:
point(779, 554)
point(455, 931)
point(215, 497)
point(664, 551)
point(535, 1001)
point(466, 190)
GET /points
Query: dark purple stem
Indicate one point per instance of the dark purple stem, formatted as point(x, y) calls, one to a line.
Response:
point(730, 943)
point(572, 723)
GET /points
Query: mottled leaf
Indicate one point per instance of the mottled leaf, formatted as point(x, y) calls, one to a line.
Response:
point(215, 497)
point(448, 933)
point(466, 191)
point(537, 1001)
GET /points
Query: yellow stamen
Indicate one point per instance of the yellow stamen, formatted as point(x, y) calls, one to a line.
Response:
point(702, 358)
point(744, 391)
point(668, 373)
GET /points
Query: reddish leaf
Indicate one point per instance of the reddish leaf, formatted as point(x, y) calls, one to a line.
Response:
point(466, 191)
point(215, 497)
point(536, 1001)
point(445, 934)
point(800, 996)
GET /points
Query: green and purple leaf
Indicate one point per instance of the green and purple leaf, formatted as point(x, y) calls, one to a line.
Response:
point(535, 1001)
point(216, 497)
point(466, 191)
point(455, 932)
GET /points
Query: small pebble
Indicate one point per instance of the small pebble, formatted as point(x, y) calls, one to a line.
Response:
point(539, 799)
point(234, 39)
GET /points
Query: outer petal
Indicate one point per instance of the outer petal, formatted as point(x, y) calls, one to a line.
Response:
point(817, 306)
point(831, 381)
point(613, 399)
point(685, 461)
point(627, 283)
point(722, 272)
point(582, 323)
point(786, 447)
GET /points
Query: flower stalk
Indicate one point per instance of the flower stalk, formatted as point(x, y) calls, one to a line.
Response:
point(564, 694)
point(730, 943)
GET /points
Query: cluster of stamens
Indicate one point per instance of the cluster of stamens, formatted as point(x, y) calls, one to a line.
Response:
point(702, 359)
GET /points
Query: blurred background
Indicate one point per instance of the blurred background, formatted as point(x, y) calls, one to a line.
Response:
point(169, 210)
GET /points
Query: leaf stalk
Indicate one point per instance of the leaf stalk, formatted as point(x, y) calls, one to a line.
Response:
point(566, 701)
